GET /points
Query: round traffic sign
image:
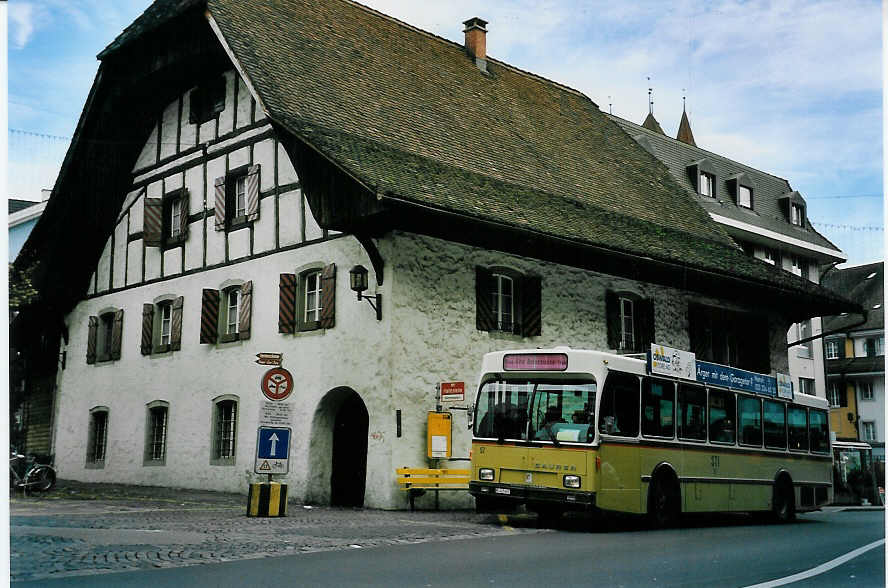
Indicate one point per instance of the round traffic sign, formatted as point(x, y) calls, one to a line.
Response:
point(277, 384)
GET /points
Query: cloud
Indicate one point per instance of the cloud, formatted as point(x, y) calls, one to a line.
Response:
point(24, 18)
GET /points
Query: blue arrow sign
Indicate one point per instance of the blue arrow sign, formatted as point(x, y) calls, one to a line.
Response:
point(273, 443)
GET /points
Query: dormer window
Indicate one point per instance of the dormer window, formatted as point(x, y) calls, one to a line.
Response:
point(744, 196)
point(707, 184)
point(797, 214)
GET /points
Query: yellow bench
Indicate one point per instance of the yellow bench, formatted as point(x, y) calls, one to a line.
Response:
point(415, 481)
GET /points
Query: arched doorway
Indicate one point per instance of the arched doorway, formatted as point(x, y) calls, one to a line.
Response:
point(338, 450)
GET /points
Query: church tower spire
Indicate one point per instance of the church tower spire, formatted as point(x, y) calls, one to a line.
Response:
point(684, 128)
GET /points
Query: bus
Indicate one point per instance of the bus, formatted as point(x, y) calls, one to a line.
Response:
point(564, 429)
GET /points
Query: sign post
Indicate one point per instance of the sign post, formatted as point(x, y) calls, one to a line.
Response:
point(273, 451)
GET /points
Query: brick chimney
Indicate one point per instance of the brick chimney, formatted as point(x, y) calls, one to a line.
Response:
point(476, 41)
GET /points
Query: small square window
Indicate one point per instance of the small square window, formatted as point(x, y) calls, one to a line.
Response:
point(832, 349)
point(866, 390)
point(707, 184)
point(744, 196)
point(806, 386)
point(207, 100)
point(868, 430)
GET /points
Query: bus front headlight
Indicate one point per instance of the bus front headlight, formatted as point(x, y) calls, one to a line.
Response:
point(571, 481)
point(486, 474)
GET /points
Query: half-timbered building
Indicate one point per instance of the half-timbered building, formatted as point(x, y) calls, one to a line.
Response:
point(235, 159)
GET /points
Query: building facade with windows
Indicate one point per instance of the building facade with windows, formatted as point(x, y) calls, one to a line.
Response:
point(855, 358)
point(250, 171)
point(764, 216)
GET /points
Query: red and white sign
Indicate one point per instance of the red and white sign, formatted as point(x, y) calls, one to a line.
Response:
point(453, 391)
point(277, 384)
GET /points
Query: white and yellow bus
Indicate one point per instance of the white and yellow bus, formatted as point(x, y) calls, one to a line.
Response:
point(563, 429)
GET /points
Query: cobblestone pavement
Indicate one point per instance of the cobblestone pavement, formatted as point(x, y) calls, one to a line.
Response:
point(85, 529)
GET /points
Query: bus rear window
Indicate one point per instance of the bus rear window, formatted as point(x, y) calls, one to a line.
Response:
point(819, 431)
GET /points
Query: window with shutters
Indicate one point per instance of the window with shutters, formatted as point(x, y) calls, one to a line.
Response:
point(237, 198)
point(175, 218)
point(226, 314)
point(310, 314)
point(508, 302)
point(104, 336)
point(207, 100)
point(224, 430)
point(166, 321)
point(630, 322)
point(308, 299)
point(744, 196)
point(162, 325)
point(98, 437)
point(737, 339)
point(156, 426)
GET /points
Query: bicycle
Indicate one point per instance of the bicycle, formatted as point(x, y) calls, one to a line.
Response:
point(26, 474)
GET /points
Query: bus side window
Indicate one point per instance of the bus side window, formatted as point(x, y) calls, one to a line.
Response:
point(691, 412)
point(721, 417)
point(657, 408)
point(619, 405)
point(750, 410)
point(819, 427)
point(798, 428)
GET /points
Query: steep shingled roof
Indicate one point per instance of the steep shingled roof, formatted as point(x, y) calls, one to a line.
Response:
point(677, 155)
point(856, 284)
point(410, 115)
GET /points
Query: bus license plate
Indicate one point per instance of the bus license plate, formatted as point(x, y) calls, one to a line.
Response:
point(502, 491)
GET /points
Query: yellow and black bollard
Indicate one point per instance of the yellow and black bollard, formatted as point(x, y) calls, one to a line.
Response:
point(267, 499)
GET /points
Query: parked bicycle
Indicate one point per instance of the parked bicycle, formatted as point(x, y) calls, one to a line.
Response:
point(27, 474)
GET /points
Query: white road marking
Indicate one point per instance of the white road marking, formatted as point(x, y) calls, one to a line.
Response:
point(824, 567)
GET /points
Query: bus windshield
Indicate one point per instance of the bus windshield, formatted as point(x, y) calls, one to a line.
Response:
point(541, 410)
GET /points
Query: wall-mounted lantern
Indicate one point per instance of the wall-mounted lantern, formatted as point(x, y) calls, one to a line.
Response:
point(358, 280)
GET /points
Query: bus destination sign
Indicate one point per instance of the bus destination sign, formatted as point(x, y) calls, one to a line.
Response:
point(535, 362)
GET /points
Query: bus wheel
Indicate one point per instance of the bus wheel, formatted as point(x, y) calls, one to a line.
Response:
point(784, 502)
point(663, 502)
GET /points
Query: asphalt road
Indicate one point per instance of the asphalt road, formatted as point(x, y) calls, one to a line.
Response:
point(726, 551)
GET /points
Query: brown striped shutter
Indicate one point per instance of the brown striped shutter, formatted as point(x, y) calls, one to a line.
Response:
point(531, 306)
point(147, 328)
point(644, 324)
point(328, 297)
point(219, 205)
point(287, 306)
point(484, 319)
point(246, 311)
point(152, 227)
point(612, 313)
point(176, 326)
point(91, 339)
point(117, 334)
point(253, 192)
point(185, 208)
point(209, 316)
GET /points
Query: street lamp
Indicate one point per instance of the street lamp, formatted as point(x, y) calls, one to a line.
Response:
point(358, 281)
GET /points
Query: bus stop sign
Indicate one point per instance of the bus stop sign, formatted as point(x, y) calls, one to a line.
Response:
point(273, 450)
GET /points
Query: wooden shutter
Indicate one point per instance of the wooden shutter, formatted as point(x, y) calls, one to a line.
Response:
point(91, 339)
point(209, 316)
point(328, 297)
point(612, 312)
point(185, 207)
point(287, 304)
point(644, 324)
point(219, 205)
point(176, 326)
point(246, 311)
point(152, 225)
point(253, 193)
point(531, 290)
point(117, 334)
point(484, 318)
point(147, 328)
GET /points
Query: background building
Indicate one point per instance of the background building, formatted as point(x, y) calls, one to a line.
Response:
point(764, 216)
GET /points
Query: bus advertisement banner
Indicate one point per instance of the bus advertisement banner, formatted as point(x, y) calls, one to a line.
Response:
point(735, 379)
point(667, 361)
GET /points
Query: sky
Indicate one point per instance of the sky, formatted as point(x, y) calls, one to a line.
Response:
point(790, 87)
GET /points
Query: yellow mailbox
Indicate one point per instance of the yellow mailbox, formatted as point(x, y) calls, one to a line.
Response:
point(439, 435)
